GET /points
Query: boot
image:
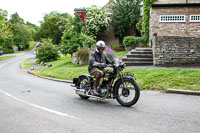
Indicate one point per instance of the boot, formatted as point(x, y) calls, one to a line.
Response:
point(96, 83)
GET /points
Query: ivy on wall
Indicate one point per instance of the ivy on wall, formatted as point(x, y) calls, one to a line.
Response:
point(146, 17)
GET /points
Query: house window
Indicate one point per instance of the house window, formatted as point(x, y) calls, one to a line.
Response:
point(194, 18)
point(172, 18)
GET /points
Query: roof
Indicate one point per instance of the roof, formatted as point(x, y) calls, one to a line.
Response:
point(175, 5)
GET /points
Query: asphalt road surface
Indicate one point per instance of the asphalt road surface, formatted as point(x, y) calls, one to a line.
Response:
point(29, 104)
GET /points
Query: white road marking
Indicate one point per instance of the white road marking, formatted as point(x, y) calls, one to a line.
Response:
point(39, 107)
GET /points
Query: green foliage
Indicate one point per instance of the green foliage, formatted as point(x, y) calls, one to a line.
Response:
point(146, 17)
point(126, 14)
point(72, 41)
point(83, 55)
point(22, 35)
point(15, 18)
point(6, 34)
point(133, 41)
point(149, 79)
point(3, 14)
point(96, 21)
point(47, 51)
point(73, 38)
point(114, 47)
point(52, 27)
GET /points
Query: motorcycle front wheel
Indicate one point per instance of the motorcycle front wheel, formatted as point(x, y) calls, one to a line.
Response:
point(129, 94)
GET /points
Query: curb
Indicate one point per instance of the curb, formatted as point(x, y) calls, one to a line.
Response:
point(186, 92)
point(54, 79)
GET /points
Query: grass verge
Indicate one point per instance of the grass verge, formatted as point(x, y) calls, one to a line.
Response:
point(117, 53)
point(26, 63)
point(150, 79)
point(6, 57)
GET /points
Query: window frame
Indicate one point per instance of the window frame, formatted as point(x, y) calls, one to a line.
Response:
point(177, 18)
point(195, 15)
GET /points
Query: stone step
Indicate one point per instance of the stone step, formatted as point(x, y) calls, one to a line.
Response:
point(139, 55)
point(138, 63)
point(137, 59)
point(140, 52)
point(143, 49)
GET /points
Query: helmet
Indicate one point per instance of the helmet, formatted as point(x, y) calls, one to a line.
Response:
point(100, 45)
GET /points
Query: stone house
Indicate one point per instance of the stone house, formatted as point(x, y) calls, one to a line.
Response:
point(175, 32)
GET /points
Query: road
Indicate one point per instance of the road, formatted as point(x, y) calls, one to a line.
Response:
point(29, 104)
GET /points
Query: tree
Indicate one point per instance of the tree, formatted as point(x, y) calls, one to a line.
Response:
point(22, 35)
point(3, 14)
point(15, 18)
point(6, 35)
point(53, 27)
point(126, 14)
point(96, 21)
point(73, 37)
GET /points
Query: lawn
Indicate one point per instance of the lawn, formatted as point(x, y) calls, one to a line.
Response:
point(6, 57)
point(26, 63)
point(149, 79)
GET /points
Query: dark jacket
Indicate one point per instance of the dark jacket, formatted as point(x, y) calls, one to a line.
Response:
point(98, 57)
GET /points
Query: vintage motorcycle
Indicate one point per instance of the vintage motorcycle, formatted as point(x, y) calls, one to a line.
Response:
point(113, 85)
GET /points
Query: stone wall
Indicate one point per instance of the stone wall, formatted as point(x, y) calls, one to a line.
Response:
point(176, 51)
point(184, 29)
point(176, 1)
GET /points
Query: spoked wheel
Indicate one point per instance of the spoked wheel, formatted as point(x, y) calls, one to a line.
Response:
point(84, 84)
point(128, 95)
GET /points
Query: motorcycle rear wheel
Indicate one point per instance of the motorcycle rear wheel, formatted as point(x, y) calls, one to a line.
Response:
point(129, 95)
point(83, 83)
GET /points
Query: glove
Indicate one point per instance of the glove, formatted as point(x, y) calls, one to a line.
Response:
point(103, 65)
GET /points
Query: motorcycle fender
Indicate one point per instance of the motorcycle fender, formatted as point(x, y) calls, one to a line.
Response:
point(118, 80)
point(84, 75)
point(77, 80)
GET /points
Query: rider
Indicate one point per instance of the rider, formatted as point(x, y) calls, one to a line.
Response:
point(96, 62)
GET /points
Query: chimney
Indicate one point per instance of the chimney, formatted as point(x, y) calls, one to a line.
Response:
point(110, 1)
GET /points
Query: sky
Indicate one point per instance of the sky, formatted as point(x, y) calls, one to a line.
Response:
point(34, 10)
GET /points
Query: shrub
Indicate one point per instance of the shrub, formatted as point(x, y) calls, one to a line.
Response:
point(114, 47)
point(96, 21)
point(73, 38)
point(47, 51)
point(7, 51)
point(126, 14)
point(133, 41)
point(83, 56)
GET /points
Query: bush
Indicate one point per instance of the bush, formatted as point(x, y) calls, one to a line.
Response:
point(72, 41)
point(73, 38)
point(96, 21)
point(133, 41)
point(114, 47)
point(47, 51)
point(7, 51)
point(83, 56)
